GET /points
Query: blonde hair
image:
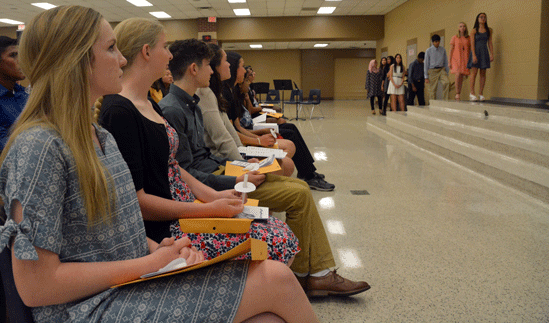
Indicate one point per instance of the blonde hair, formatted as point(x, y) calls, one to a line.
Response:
point(466, 32)
point(131, 35)
point(56, 55)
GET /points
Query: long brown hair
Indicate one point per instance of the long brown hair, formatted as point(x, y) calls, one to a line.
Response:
point(56, 55)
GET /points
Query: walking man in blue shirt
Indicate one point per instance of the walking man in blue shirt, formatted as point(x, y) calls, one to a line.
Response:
point(436, 68)
point(12, 95)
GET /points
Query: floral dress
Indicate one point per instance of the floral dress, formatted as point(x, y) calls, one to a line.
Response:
point(282, 242)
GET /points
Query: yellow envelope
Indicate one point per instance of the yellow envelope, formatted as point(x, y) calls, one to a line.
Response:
point(257, 247)
point(233, 170)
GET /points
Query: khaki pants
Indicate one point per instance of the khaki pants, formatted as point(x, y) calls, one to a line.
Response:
point(293, 196)
point(436, 75)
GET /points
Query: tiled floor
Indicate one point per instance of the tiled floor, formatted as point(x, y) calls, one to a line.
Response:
point(436, 242)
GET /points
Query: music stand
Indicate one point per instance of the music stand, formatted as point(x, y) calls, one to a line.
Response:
point(260, 88)
point(283, 85)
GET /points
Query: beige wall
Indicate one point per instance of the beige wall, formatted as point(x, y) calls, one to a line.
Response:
point(8, 31)
point(516, 38)
point(543, 76)
point(350, 78)
point(300, 28)
point(272, 65)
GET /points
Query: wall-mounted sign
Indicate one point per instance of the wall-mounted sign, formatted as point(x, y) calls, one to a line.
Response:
point(212, 19)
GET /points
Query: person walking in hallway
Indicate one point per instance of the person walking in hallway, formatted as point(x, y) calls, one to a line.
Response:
point(459, 53)
point(480, 57)
point(436, 68)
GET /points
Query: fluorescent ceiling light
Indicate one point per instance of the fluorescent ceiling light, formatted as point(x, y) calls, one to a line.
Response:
point(242, 12)
point(160, 14)
point(256, 46)
point(321, 45)
point(237, 1)
point(326, 10)
point(140, 3)
point(11, 22)
point(44, 5)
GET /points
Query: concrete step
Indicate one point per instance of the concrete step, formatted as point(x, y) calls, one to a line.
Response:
point(480, 149)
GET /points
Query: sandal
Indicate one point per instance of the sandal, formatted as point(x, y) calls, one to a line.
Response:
point(458, 97)
point(481, 98)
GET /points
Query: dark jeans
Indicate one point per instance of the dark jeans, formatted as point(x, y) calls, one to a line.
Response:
point(420, 93)
point(303, 159)
point(379, 102)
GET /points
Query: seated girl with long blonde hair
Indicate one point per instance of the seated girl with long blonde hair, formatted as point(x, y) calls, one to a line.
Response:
point(74, 223)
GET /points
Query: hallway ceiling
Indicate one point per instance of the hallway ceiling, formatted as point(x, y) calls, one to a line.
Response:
point(118, 10)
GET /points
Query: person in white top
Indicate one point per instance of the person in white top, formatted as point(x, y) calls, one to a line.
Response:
point(396, 85)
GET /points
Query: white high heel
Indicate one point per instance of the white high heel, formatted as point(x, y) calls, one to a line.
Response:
point(472, 97)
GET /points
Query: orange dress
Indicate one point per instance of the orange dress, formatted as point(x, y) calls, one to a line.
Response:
point(462, 48)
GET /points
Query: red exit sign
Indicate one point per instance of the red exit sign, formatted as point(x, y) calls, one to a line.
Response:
point(212, 19)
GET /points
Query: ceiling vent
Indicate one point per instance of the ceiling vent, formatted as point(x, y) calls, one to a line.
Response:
point(309, 9)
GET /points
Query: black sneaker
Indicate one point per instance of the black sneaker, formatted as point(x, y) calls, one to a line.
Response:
point(317, 183)
point(320, 175)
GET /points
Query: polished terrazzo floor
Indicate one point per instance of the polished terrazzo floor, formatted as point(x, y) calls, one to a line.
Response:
point(436, 242)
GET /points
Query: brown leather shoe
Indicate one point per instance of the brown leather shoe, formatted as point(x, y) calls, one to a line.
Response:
point(334, 285)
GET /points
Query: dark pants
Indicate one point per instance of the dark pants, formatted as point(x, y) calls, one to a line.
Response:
point(379, 102)
point(303, 159)
point(385, 102)
point(420, 86)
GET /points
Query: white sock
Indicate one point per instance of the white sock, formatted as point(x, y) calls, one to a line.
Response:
point(301, 274)
point(321, 273)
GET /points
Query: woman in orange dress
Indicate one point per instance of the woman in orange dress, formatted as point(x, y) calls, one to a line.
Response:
point(460, 47)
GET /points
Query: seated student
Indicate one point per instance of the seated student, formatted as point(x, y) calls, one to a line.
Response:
point(149, 146)
point(253, 107)
point(219, 134)
point(250, 77)
point(75, 228)
point(302, 157)
point(190, 66)
point(160, 87)
point(217, 123)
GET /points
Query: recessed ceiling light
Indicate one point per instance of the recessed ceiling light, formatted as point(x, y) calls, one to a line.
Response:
point(237, 1)
point(11, 22)
point(44, 5)
point(326, 10)
point(140, 3)
point(242, 12)
point(160, 14)
point(256, 46)
point(321, 45)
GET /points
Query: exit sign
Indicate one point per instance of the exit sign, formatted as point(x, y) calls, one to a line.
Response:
point(212, 19)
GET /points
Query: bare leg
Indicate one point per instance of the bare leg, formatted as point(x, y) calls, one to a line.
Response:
point(287, 165)
point(271, 287)
point(474, 71)
point(393, 102)
point(265, 318)
point(482, 81)
point(401, 102)
point(459, 81)
point(287, 146)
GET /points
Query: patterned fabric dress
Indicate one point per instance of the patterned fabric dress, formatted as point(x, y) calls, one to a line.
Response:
point(373, 84)
point(281, 241)
point(39, 171)
point(481, 51)
point(462, 49)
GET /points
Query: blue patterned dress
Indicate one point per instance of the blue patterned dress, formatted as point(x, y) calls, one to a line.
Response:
point(39, 171)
